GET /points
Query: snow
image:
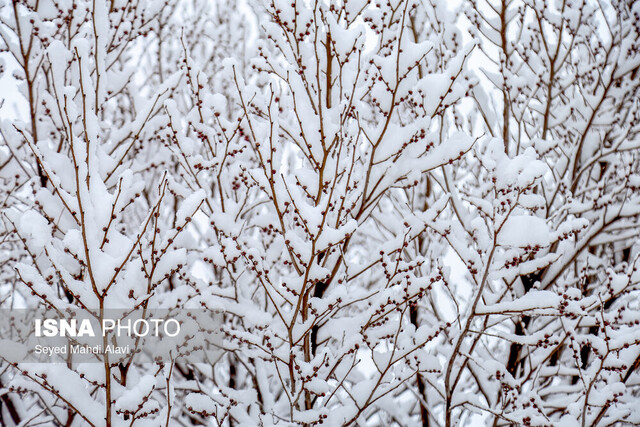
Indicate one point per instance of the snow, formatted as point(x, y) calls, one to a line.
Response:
point(524, 230)
point(207, 159)
point(132, 397)
point(533, 300)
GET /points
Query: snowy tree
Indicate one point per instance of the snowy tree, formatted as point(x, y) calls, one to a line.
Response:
point(404, 212)
point(560, 310)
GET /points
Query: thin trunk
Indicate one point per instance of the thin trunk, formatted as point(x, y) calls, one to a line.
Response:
point(424, 413)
